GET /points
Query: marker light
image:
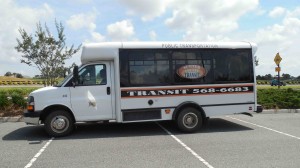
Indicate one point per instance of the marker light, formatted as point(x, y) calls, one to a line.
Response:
point(167, 111)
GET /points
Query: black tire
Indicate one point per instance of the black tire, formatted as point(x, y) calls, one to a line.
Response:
point(59, 123)
point(189, 120)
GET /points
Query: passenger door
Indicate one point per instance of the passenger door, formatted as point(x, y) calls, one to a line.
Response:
point(91, 98)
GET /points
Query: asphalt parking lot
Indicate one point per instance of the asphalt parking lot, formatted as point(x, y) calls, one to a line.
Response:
point(235, 141)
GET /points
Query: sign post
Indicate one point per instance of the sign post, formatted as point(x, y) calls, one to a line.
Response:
point(277, 61)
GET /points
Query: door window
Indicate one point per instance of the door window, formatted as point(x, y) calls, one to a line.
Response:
point(93, 75)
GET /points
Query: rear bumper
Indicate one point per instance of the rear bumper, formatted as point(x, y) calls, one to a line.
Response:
point(259, 108)
point(32, 117)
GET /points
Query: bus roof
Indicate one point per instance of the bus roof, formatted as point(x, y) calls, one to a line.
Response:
point(110, 50)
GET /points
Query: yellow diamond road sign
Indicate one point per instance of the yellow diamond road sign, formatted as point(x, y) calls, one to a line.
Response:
point(277, 59)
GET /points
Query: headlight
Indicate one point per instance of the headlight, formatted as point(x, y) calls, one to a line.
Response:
point(30, 103)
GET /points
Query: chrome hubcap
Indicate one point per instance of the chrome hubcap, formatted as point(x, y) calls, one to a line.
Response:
point(59, 124)
point(190, 120)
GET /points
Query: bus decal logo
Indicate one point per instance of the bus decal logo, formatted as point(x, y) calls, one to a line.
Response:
point(206, 90)
point(191, 71)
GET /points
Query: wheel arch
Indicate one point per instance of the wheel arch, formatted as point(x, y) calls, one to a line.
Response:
point(185, 105)
point(50, 108)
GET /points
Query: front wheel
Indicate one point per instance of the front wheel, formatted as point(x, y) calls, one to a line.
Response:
point(59, 123)
point(189, 120)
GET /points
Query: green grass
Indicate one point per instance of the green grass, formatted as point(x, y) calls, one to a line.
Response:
point(24, 91)
point(297, 87)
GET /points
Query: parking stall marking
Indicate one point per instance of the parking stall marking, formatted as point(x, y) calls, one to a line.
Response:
point(39, 153)
point(186, 147)
point(270, 129)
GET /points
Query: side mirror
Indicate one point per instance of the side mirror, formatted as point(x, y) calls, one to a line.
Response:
point(75, 76)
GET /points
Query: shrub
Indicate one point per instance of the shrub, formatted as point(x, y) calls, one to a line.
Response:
point(3, 100)
point(18, 99)
point(279, 98)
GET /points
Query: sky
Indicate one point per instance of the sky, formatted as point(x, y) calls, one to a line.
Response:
point(274, 25)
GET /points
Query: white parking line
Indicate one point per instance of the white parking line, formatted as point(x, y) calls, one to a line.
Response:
point(39, 153)
point(292, 136)
point(186, 147)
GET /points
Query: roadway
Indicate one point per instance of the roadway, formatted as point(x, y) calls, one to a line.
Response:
point(235, 141)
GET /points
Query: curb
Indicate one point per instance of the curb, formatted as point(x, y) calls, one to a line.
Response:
point(274, 111)
point(11, 119)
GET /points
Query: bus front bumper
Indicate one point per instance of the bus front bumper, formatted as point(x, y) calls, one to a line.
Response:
point(32, 118)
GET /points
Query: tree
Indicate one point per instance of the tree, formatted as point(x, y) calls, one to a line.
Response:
point(18, 75)
point(286, 76)
point(44, 51)
point(256, 60)
point(268, 77)
point(258, 77)
point(8, 74)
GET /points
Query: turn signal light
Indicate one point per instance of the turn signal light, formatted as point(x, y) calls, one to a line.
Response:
point(167, 111)
point(30, 107)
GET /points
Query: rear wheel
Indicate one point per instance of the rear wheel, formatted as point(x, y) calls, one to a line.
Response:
point(189, 120)
point(59, 123)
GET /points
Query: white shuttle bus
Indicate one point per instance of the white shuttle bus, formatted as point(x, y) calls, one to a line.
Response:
point(187, 82)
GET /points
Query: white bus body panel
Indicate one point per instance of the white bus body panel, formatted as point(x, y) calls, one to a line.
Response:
point(48, 96)
point(213, 104)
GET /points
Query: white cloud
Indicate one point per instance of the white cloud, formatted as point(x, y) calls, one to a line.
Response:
point(86, 21)
point(82, 20)
point(283, 38)
point(259, 11)
point(148, 9)
point(271, 34)
point(120, 31)
point(82, 1)
point(181, 18)
point(97, 37)
point(288, 30)
point(152, 35)
point(13, 17)
point(205, 20)
point(277, 12)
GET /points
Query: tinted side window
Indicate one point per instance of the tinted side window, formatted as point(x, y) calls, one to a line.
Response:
point(233, 66)
point(191, 67)
point(144, 67)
